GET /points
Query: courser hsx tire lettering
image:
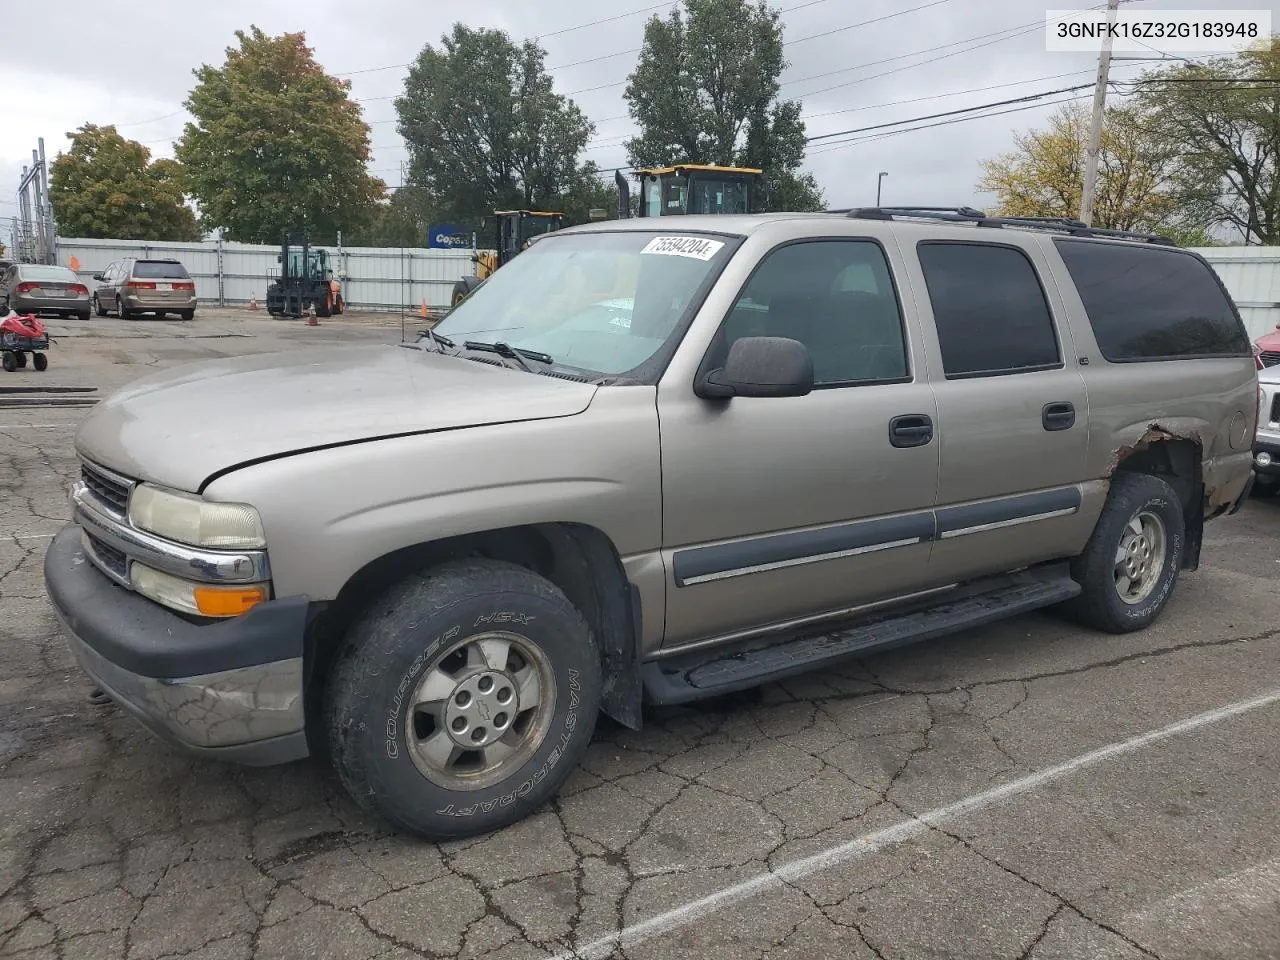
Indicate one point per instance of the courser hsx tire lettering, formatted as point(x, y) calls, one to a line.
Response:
point(412, 691)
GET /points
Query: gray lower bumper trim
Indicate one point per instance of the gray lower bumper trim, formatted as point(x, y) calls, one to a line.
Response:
point(252, 715)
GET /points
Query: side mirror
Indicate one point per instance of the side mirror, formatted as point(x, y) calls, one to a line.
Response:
point(760, 367)
point(99, 277)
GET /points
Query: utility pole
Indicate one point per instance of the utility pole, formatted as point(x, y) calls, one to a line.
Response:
point(1095, 125)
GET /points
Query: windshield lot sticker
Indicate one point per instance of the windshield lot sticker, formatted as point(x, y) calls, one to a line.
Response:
point(696, 247)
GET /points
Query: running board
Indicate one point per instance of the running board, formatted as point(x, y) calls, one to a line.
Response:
point(711, 673)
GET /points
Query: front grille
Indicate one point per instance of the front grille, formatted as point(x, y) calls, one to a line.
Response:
point(1275, 408)
point(110, 492)
point(109, 556)
point(1270, 358)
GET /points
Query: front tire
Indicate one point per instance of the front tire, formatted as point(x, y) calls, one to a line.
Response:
point(98, 308)
point(462, 699)
point(1130, 566)
point(40, 361)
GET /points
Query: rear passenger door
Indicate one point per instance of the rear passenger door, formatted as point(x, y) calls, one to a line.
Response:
point(1013, 413)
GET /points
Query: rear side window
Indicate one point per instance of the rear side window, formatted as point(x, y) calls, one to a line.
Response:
point(159, 270)
point(989, 308)
point(1147, 303)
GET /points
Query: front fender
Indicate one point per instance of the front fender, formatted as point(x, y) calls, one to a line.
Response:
point(328, 513)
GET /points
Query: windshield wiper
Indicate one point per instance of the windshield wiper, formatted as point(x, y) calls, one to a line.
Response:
point(508, 352)
point(440, 341)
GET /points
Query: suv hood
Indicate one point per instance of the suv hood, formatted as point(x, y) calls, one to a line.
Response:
point(180, 427)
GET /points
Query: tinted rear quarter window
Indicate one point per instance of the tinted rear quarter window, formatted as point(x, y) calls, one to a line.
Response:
point(158, 270)
point(1149, 303)
point(989, 309)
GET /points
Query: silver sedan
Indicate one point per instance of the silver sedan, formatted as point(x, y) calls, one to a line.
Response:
point(41, 288)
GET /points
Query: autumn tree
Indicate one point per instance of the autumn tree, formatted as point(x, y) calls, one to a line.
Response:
point(485, 129)
point(705, 90)
point(1137, 169)
point(107, 186)
point(1224, 115)
point(277, 145)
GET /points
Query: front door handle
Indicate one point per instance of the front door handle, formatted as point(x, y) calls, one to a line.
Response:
point(1060, 415)
point(911, 430)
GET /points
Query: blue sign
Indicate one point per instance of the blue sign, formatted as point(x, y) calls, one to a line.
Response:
point(445, 236)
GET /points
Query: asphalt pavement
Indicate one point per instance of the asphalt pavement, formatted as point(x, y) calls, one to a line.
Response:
point(1029, 790)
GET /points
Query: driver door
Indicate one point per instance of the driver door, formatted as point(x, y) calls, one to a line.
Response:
point(777, 510)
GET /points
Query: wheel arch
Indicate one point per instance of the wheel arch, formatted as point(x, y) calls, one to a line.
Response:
point(1179, 461)
point(579, 559)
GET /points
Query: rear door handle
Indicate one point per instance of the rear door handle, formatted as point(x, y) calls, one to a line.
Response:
point(911, 430)
point(1060, 415)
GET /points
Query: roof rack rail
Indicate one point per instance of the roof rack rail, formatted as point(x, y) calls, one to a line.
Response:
point(977, 217)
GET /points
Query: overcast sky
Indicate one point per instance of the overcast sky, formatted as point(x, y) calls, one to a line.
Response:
point(123, 63)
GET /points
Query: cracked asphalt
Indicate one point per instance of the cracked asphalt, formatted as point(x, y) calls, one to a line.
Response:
point(114, 846)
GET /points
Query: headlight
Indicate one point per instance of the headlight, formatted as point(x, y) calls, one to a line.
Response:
point(204, 599)
point(194, 520)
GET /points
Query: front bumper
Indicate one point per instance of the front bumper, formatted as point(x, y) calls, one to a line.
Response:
point(230, 690)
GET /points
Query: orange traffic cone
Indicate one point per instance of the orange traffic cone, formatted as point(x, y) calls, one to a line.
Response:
point(253, 303)
point(422, 310)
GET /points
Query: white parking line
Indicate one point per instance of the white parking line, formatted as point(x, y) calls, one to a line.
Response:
point(681, 916)
point(34, 426)
point(32, 536)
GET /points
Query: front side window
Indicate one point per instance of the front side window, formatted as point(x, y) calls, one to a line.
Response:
point(834, 296)
point(1149, 303)
point(989, 309)
point(600, 303)
point(718, 196)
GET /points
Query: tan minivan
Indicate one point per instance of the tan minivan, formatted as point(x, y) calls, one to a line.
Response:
point(132, 287)
point(751, 446)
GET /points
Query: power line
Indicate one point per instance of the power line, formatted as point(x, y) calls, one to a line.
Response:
point(864, 23)
point(799, 6)
point(951, 113)
point(827, 148)
point(785, 45)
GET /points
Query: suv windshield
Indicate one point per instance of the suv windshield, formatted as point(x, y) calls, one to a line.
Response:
point(599, 302)
point(159, 270)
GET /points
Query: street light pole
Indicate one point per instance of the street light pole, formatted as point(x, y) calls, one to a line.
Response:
point(1095, 125)
point(880, 180)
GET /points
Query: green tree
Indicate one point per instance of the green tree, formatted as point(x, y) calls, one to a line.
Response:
point(705, 90)
point(277, 145)
point(485, 129)
point(107, 186)
point(401, 220)
point(1224, 115)
point(1137, 173)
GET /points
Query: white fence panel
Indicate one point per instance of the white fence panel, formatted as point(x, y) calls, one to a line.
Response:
point(373, 278)
point(1252, 277)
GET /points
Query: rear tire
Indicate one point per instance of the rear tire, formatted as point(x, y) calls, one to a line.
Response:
point(125, 312)
point(82, 315)
point(1130, 566)
point(22, 359)
point(186, 315)
point(40, 361)
point(9, 362)
point(473, 635)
